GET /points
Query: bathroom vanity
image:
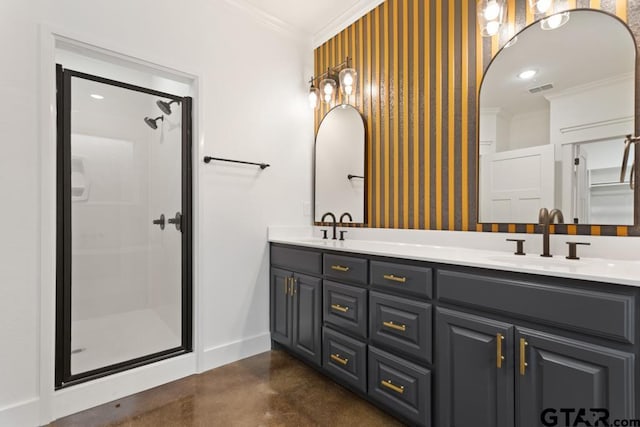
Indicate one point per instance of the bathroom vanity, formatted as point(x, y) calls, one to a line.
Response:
point(443, 336)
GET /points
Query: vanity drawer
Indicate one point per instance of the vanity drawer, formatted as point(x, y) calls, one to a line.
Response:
point(401, 386)
point(401, 325)
point(409, 279)
point(604, 314)
point(305, 261)
point(346, 268)
point(345, 307)
point(345, 358)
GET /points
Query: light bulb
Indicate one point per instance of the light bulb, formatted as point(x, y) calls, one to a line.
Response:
point(555, 21)
point(327, 97)
point(543, 5)
point(348, 90)
point(492, 28)
point(348, 79)
point(492, 10)
point(328, 89)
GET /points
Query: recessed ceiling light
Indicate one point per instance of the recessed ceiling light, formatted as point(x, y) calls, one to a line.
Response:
point(527, 74)
point(96, 96)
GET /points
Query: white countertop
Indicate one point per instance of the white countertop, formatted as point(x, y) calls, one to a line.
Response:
point(624, 272)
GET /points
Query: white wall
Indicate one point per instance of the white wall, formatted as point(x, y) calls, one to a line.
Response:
point(529, 129)
point(252, 106)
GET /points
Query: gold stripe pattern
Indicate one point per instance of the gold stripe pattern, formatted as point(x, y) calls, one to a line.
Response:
point(420, 114)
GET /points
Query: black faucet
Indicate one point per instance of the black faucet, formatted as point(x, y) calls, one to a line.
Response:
point(333, 217)
point(347, 214)
point(545, 219)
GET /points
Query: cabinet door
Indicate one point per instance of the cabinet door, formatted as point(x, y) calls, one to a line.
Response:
point(573, 376)
point(474, 390)
point(307, 313)
point(281, 325)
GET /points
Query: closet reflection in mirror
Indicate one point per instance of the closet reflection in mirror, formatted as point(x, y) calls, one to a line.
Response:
point(339, 164)
point(554, 137)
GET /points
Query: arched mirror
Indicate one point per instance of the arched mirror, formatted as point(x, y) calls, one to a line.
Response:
point(555, 106)
point(339, 165)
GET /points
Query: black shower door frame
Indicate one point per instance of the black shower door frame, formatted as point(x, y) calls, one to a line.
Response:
point(63, 376)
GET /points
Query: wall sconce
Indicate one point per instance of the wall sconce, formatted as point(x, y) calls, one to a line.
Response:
point(314, 95)
point(491, 16)
point(328, 87)
point(341, 76)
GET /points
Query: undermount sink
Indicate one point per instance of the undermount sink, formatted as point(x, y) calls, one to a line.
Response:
point(536, 261)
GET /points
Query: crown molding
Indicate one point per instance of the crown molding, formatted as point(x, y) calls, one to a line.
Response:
point(347, 18)
point(607, 81)
point(270, 21)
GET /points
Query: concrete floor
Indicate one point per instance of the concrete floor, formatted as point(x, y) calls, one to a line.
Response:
point(270, 389)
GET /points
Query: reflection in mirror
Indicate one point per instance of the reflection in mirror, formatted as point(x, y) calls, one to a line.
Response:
point(339, 164)
point(555, 106)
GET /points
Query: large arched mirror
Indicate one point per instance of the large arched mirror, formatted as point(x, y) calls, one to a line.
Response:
point(339, 165)
point(555, 106)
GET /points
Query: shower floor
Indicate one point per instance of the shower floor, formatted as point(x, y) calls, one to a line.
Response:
point(104, 341)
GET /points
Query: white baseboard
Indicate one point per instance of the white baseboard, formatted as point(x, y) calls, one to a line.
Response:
point(87, 395)
point(21, 414)
point(214, 357)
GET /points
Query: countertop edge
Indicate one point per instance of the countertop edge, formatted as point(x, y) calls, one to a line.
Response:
point(492, 265)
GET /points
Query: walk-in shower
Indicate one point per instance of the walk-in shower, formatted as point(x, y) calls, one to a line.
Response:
point(123, 282)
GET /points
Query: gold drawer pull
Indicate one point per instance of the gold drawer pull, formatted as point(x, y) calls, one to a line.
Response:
point(499, 356)
point(338, 307)
point(395, 278)
point(392, 325)
point(340, 360)
point(388, 384)
point(340, 268)
point(523, 356)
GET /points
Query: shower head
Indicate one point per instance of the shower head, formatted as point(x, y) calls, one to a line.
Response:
point(166, 106)
point(152, 123)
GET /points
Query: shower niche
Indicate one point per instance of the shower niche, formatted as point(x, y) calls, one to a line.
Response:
point(123, 294)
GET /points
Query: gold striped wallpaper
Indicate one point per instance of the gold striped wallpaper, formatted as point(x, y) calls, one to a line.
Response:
point(420, 64)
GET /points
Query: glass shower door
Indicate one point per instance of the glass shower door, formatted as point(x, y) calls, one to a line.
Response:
point(124, 279)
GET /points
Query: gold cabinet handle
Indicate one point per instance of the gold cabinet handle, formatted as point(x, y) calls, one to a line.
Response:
point(340, 268)
point(286, 285)
point(395, 278)
point(523, 356)
point(340, 360)
point(290, 286)
point(338, 307)
point(499, 356)
point(392, 325)
point(294, 283)
point(388, 384)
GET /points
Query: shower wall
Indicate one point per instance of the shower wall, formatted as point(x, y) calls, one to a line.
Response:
point(103, 233)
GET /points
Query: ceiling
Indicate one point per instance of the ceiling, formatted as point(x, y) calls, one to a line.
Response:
point(591, 47)
point(306, 16)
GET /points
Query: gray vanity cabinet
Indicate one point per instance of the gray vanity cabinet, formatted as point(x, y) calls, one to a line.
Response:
point(501, 349)
point(476, 376)
point(564, 373)
point(296, 312)
point(280, 306)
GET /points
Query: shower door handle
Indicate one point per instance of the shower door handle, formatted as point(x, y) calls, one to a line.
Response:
point(177, 220)
point(160, 222)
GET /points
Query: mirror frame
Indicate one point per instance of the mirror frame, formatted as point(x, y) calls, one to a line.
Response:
point(365, 201)
point(568, 228)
